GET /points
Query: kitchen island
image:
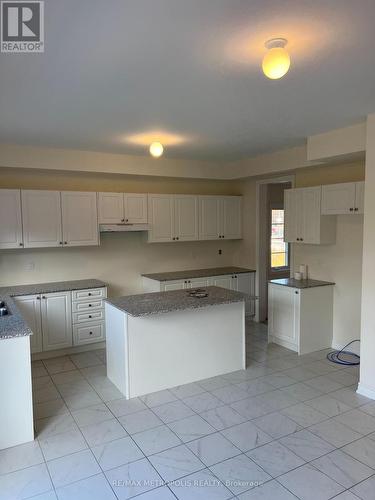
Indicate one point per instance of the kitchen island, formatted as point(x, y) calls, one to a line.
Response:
point(163, 339)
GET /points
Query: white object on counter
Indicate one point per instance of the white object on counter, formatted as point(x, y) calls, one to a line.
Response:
point(16, 413)
point(303, 271)
point(298, 276)
point(150, 353)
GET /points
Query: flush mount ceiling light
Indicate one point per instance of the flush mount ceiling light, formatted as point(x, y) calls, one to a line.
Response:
point(276, 61)
point(156, 149)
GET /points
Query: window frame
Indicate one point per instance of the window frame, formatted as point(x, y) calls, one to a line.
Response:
point(279, 269)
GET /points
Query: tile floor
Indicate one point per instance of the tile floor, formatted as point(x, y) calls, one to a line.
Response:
point(287, 427)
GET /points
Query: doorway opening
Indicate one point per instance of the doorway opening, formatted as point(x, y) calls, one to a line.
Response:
point(274, 256)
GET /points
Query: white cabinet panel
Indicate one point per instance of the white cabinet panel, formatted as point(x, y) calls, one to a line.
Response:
point(245, 283)
point(56, 320)
point(283, 315)
point(209, 217)
point(338, 198)
point(79, 216)
point(231, 217)
point(359, 197)
point(291, 203)
point(311, 217)
point(161, 213)
point(223, 281)
point(172, 285)
point(186, 217)
point(135, 208)
point(41, 213)
point(89, 294)
point(11, 222)
point(198, 282)
point(88, 333)
point(29, 306)
point(110, 208)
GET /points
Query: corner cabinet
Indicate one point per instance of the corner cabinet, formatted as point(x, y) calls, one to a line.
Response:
point(300, 319)
point(11, 220)
point(345, 198)
point(303, 220)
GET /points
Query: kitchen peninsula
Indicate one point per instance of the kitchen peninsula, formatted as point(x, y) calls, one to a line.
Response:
point(164, 339)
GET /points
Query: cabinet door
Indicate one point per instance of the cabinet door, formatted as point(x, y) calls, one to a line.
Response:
point(359, 197)
point(29, 306)
point(41, 213)
point(310, 223)
point(338, 198)
point(161, 213)
point(245, 283)
point(199, 282)
point(231, 217)
point(135, 208)
point(167, 286)
point(223, 281)
point(292, 205)
point(79, 218)
point(209, 217)
point(186, 217)
point(110, 208)
point(283, 315)
point(56, 320)
point(11, 222)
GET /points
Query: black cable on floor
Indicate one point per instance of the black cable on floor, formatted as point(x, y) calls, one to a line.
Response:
point(352, 358)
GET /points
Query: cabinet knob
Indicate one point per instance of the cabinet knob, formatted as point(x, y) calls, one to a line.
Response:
point(301, 239)
point(173, 238)
point(223, 236)
point(89, 305)
point(21, 244)
point(122, 220)
point(296, 292)
point(38, 298)
point(44, 297)
point(356, 209)
point(90, 333)
point(90, 316)
point(89, 294)
point(177, 238)
point(351, 209)
point(65, 242)
point(60, 242)
point(126, 220)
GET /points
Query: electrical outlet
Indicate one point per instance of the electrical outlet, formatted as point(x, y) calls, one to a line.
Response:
point(220, 252)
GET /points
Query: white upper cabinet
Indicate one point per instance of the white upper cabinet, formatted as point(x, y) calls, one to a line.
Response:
point(209, 217)
point(117, 208)
point(345, 198)
point(135, 208)
point(11, 221)
point(41, 213)
point(231, 217)
point(111, 208)
point(185, 217)
point(303, 220)
point(161, 214)
point(79, 217)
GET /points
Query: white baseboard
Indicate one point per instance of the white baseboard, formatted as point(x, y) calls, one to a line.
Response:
point(365, 390)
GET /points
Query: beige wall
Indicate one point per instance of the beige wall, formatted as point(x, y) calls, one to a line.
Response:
point(341, 262)
point(121, 258)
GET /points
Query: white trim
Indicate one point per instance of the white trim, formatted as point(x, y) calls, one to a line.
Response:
point(364, 390)
point(259, 246)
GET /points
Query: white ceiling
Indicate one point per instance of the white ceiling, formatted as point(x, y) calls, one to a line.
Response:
point(116, 68)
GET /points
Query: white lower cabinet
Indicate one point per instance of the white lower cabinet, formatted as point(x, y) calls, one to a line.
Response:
point(56, 311)
point(64, 319)
point(300, 319)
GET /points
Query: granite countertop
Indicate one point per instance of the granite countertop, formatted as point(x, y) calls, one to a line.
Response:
point(197, 273)
point(147, 304)
point(13, 325)
point(293, 283)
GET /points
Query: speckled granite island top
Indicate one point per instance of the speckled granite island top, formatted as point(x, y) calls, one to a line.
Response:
point(301, 284)
point(197, 273)
point(13, 325)
point(146, 304)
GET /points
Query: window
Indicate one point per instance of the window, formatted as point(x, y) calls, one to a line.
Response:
point(279, 249)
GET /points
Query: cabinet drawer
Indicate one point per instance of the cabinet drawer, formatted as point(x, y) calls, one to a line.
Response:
point(88, 332)
point(86, 317)
point(87, 306)
point(95, 293)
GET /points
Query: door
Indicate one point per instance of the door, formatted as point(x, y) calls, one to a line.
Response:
point(161, 213)
point(223, 281)
point(310, 224)
point(231, 217)
point(338, 198)
point(283, 315)
point(167, 286)
point(209, 216)
point(186, 217)
point(79, 218)
point(111, 208)
point(11, 221)
point(41, 212)
point(359, 197)
point(135, 206)
point(29, 306)
point(56, 320)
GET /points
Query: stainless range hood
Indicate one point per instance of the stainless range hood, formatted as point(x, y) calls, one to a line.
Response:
point(119, 228)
